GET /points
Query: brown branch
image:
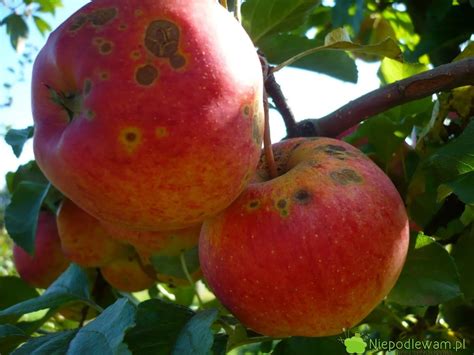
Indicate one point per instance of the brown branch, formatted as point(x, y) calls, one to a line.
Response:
point(274, 91)
point(442, 78)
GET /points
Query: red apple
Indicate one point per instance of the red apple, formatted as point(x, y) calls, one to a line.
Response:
point(83, 239)
point(48, 261)
point(136, 107)
point(312, 251)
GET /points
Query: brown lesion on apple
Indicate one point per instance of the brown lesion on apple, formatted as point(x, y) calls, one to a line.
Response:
point(345, 177)
point(106, 48)
point(104, 75)
point(161, 132)
point(78, 22)
point(90, 115)
point(253, 205)
point(162, 39)
point(135, 55)
point(96, 18)
point(302, 196)
point(102, 17)
point(122, 27)
point(282, 206)
point(130, 138)
point(146, 75)
point(246, 110)
point(138, 12)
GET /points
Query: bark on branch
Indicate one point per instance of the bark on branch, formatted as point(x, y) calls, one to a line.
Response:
point(442, 78)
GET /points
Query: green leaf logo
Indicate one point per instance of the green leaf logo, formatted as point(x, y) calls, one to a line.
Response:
point(355, 345)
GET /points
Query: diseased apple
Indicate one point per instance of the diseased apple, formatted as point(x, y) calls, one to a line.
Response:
point(312, 251)
point(84, 240)
point(48, 261)
point(159, 243)
point(136, 107)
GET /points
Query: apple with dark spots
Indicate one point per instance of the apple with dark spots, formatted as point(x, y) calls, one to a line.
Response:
point(48, 260)
point(84, 240)
point(312, 251)
point(136, 107)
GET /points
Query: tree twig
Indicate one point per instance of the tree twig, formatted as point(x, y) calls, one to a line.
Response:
point(442, 78)
point(267, 141)
point(274, 91)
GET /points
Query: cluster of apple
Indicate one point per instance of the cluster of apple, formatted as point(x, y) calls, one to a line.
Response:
point(150, 119)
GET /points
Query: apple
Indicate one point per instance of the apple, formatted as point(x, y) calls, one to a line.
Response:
point(48, 261)
point(83, 239)
point(159, 243)
point(128, 274)
point(312, 251)
point(136, 107)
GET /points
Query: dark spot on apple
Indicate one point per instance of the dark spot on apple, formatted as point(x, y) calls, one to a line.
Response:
point(103, 16)
point(345, 176)
point(247, 110)
point(106, 48)
point(123, 27)
point(256, 132)
point(281, 204)
point(104, 75)
point(296, 146)
point(254, 204)
point(87, 87)
point(177, 61)
point(78, 22)
point(135, 55)
point(331, 149)
point(302, 196)
point(162, 38)
point(131, 137)
point(146, 75)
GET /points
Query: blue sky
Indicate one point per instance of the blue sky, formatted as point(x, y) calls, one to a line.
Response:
point(309, 94)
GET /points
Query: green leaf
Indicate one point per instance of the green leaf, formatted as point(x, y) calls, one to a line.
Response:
point(429, 276)
point(171, 265)
point(337, 64)
point(463, 256)
point(310, 346)
point(21, 215)
point(51, 344)
point(462, 187)
point(262, 18)
point(393, 70)
point(17, 29)
point(72, 285)
point(49, 6)
point(10, 338)
point(27, 172)
point(42, 25)
point(105, 334)
point(14, 290)
point(196, 336)
point(158, 324)
point(17, 138)
point(339, 39)
point(455, 158)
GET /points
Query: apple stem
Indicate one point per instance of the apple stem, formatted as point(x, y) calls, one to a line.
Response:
point(190, 279)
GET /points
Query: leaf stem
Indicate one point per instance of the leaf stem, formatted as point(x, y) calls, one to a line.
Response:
point(190, 279)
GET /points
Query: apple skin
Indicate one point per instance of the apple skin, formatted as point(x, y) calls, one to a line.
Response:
point(164, 243)
point(83, 239)
point(128, 274)
point(154, 97)
point(48, 261)
point(312, 251)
